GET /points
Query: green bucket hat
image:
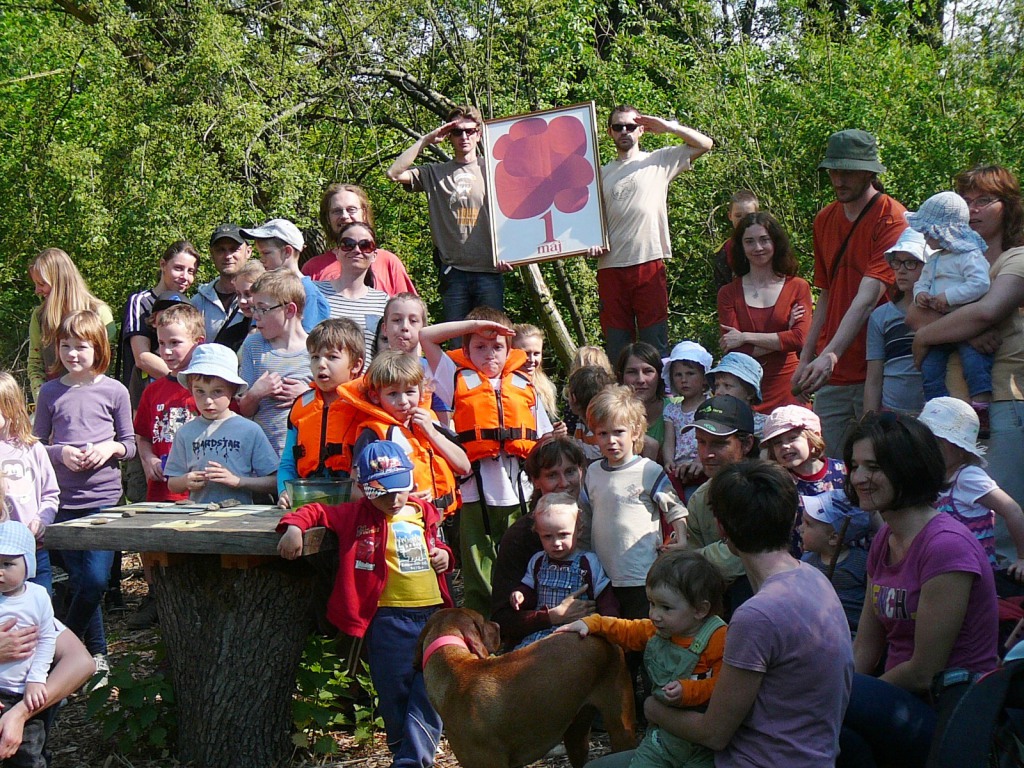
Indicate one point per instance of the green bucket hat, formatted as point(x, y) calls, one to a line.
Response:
point(852, 150)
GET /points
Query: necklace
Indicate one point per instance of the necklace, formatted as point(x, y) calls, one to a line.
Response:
point(769, 284)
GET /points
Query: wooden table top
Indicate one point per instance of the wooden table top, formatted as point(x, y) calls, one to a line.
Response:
point(165, 527)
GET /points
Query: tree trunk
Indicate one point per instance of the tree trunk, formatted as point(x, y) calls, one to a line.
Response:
point(550, 318)
point(234, 639)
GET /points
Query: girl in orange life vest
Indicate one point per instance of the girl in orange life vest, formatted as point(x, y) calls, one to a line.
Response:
point(390, 404)
point(313, 445)
point(498, 420)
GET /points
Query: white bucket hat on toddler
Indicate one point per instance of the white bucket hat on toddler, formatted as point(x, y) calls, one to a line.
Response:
point(689, 352)
point(955, 421)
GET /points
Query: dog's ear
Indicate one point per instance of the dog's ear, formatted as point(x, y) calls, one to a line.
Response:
point(492, 636)
point(474, 630)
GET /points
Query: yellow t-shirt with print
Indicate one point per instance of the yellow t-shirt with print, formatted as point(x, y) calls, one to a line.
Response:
point(411, 582)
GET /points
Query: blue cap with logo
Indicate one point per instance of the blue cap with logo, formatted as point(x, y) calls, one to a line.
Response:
point(383, 468)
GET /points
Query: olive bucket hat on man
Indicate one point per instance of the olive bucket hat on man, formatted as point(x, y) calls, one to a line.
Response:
point(852, 150)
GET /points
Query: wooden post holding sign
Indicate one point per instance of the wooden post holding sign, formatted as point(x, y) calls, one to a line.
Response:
point(544, 185)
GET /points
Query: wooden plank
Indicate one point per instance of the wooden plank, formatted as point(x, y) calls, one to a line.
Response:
point(247, 530)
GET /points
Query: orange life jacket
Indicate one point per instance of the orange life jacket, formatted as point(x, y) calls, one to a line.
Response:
point(431, 472)
point(489, 422)
point(320, 432)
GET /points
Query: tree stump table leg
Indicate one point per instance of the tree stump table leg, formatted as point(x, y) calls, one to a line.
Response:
point(234, 638)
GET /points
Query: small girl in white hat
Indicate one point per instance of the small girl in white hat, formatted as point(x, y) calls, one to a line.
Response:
point(972, 497)
point(956, 274)
point(684, 375)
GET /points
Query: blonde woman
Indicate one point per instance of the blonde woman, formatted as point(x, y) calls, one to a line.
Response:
point(63, 290)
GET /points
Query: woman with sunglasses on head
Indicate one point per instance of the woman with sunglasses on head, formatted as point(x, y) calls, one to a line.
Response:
point(343, 204)
point(348, 295)
point(992, 324)
point(931, 600)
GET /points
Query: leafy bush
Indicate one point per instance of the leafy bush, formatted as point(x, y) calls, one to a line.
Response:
point(135, 707)
point(329, 699)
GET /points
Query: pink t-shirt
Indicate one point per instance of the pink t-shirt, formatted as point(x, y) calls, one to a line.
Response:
point(944, 545)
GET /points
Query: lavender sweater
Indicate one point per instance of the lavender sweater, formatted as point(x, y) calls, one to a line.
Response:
point(79, 415)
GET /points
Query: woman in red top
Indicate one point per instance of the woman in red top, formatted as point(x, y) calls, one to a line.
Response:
point(766, 311)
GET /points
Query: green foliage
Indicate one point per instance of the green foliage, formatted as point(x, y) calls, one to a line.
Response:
point(127, 126)
point(329, 699)
point(135, 708)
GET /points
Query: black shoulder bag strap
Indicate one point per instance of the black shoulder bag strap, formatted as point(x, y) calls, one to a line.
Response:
point(846, 241)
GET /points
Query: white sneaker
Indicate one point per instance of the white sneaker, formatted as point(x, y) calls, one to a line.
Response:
point(102, 669)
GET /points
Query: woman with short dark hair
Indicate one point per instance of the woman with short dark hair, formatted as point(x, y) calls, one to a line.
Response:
point(931, 598)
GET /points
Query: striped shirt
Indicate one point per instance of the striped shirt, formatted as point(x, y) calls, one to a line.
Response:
point(366, 312)
point(255, 358)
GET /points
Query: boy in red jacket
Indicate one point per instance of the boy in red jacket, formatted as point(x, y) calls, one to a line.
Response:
point(388, 584)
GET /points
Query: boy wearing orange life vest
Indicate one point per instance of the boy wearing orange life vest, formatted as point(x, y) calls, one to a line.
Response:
point(391, 403)
point(318, 422)
point(498, 420)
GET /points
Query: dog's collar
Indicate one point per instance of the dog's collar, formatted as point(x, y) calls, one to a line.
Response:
point(441, 642)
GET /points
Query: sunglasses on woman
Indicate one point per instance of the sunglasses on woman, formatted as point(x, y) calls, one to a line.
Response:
point(365, 246)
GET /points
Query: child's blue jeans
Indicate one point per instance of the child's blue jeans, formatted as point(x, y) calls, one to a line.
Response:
point(976, 365)
point(413, 727)
point(88, 574)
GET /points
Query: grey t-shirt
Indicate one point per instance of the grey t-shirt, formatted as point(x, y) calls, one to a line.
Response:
point(235, 442)
point(891, 340)
point(794, 632)
point(459, 222)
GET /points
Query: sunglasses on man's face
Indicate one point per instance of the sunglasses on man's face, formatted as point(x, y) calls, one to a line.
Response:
point(366, 246)
point(460, 132)
point(627, 127)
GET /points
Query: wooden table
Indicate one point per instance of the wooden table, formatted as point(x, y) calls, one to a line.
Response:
point(234, 617)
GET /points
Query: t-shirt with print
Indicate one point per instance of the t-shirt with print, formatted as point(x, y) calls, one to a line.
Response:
point(891, 340)
point(831, 477)
point(411, 581)
point(635, 195)
point(794, 632)
point(257, 357)
point(864, 257)
point(942, 546)
point(234, 442)
point(459, 222)
point(686, 441)
point(628, 504)
point(166, 407)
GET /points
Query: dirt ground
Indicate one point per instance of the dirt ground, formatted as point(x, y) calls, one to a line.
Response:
point(77, 742)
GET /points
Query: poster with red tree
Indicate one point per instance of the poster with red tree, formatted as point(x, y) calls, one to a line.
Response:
point(544, 184)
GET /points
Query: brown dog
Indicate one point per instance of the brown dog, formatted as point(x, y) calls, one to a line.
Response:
point(508, 711)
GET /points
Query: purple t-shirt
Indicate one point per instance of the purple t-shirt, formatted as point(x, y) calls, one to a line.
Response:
point(794, 631)
point(77, 416)
point(944, 545)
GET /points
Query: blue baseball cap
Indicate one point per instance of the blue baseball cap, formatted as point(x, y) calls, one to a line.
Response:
point(383, 468)
point(833, 508)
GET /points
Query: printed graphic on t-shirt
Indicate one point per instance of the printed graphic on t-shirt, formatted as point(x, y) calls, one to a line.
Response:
point(366, 547)
point(411, 547)
point(891, 602)
point(19, 480)
point(625, 188)
point(169, 421)
point(460, 198)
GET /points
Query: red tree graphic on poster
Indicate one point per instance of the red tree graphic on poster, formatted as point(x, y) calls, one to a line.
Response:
point(542, 164)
